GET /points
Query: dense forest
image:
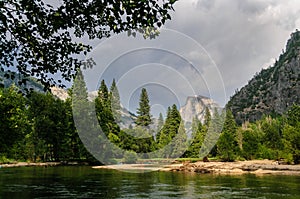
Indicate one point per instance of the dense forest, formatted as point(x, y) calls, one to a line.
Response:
point(39, 127)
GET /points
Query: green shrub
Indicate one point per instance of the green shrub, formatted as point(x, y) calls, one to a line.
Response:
point(5, 160)
point(130, 157)
point(266, 153)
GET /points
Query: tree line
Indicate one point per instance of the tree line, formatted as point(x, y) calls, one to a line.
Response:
point(41, 127)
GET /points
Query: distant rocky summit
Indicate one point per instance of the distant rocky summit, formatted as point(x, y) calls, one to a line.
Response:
point(195, 106)
point(126, 117)
point(273, 90)
point(60, 93)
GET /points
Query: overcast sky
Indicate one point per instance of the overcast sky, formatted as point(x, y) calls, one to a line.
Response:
point(210, 48)
point(241, 36)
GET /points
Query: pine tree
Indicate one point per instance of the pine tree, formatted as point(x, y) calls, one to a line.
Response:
point(179, 142)
point(160, 122)
point(291, 133)
point(207, 117)
point(272, 133)
point(105, 115)
point(144, 117)
point(227, 145)
point(198, 134)
point(195, 124)
point(103, 94)
point(293, 116)
point(229, 123)
point(79, 109)
point(169, 130)
point(175, 117)
point(103, 108)
point(111, 138)
point(115, 101)
point(250, 144)
point(78, 89)
point(159, 135)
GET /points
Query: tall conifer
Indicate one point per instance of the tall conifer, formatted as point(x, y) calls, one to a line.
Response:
point(144, 117)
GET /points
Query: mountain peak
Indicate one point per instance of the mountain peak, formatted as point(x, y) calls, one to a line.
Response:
point(195, 107)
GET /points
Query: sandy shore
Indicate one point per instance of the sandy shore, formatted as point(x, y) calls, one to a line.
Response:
point(132, 167)
point(258, 167)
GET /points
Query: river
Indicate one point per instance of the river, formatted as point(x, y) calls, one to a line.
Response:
point(85, 182)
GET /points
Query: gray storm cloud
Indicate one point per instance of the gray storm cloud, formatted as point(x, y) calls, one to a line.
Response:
point(233, 39)
point(240, 36)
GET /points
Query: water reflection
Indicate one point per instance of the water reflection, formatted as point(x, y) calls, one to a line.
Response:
point(84, 182)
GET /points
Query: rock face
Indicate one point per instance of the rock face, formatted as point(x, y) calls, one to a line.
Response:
point(195, 107)
point(92, 95)
point(273, 90)
point(60, 93)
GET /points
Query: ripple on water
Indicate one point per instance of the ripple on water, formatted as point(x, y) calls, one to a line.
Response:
point(55, 183)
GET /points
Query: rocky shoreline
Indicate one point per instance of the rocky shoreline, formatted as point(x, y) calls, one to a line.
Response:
point(257, 167)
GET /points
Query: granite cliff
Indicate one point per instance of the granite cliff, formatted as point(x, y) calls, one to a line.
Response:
point(195, 107)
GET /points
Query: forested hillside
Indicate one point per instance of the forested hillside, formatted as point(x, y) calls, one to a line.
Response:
point(25, 84)
point(272, 91)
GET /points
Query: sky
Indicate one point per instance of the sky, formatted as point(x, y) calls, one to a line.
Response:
point(209, 48)
point(242, 37)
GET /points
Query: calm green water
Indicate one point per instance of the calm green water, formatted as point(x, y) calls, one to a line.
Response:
point(84, 182)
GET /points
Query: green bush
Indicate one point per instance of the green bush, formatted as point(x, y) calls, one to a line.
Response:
point(5, 160)
point(130, 157)
point(266, 153)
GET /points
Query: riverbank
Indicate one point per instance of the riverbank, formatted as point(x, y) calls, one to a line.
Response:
point(40, 164)
point(257, 167)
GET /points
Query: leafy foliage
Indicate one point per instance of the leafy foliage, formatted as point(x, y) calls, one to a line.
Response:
point(291, 133)
point(138, 139)
point(40, 127)
point(14, 121)
point(250, 144)
point(130, 157)
point(37, 38)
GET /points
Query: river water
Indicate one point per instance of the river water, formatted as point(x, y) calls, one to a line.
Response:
point(85, 182)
